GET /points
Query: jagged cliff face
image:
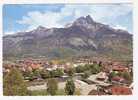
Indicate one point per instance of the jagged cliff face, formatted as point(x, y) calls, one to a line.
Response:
point(82, 37)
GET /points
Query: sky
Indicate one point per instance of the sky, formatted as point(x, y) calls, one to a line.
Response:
point(26, 17)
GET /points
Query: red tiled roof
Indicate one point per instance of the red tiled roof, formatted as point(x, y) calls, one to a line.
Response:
point(35, 66)
point(117, 78)
point(119, 68)
point(120, 90)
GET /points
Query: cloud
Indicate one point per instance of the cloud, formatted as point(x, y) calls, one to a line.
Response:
point(68, 13)
point(36, 18)
point(8, 33)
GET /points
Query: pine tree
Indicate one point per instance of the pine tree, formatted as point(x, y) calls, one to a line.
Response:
point(70, 87)
point(13, 83)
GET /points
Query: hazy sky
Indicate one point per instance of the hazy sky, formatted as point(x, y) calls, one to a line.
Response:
point(27, 17)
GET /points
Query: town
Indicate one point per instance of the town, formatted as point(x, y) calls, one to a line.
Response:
point(90, 76)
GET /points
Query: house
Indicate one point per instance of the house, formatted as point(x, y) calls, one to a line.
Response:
point(118, 79)
point(6, 70)
point(35, 66)
point(119, 68)
point(102, 76)
point(120, 90)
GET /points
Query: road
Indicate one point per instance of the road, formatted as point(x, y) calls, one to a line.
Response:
point(82, 86)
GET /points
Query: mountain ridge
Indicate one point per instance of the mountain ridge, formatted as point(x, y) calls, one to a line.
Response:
point(82, 37)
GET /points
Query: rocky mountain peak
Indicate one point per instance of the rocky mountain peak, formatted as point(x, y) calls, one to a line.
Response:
point(84, 21)
point(89, 19)
point(40, 28)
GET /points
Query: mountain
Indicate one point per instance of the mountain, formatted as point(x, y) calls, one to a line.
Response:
point(83, 37)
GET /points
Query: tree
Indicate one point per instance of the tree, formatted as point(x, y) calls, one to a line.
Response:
point(100, 63)
point(111, 75)
point(70, 87)
point(59, 72)
point(79, 69)
point(127, 76)
point(86, 74)
point(71, 72)
point(95, 69)
point(45, 74)
point(13, 83)
point(56, 73)
point(52, 86)
point(87, 67)
point(26, 73)
point(36, 72)
point(31, 76)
